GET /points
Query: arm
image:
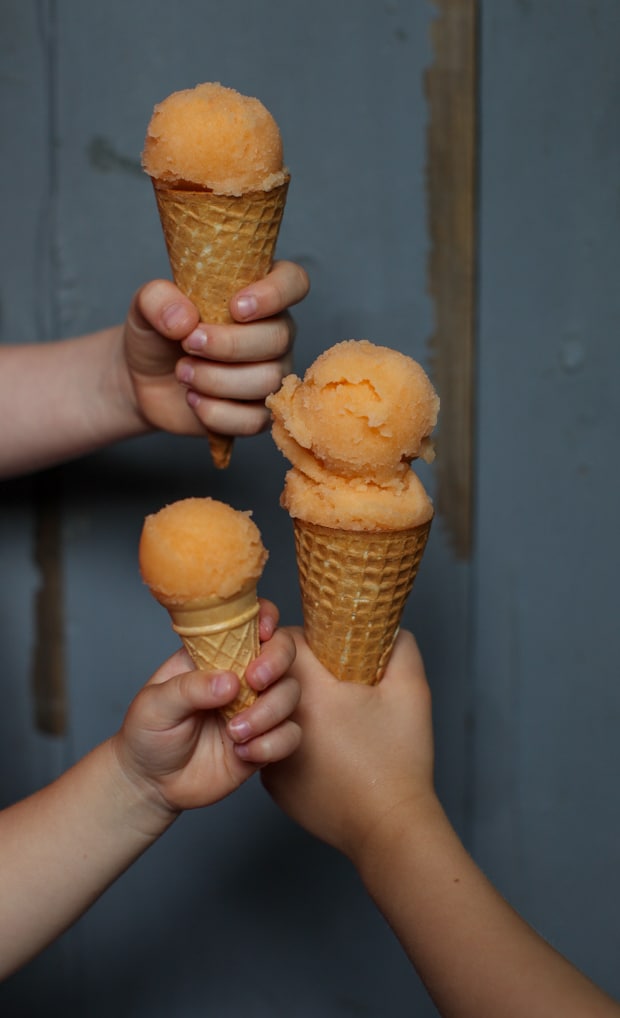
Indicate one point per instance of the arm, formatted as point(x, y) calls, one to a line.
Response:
point(63, 846)
point(64, 399)
point(362, 780)
point(161, 370)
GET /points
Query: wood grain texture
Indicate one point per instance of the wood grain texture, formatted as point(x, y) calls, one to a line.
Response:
point(451, 87)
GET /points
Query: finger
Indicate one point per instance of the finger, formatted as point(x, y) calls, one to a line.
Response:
point(168, 703)
point(160, 305)
point(405, 674)
point(226, 417)
point(279, 743)
point(267, 712)
point(306, 664)
point(274, 661)
point(268, 619)
point(230, 381)
point(406, 656)
point(256, 341)
point(285, 285)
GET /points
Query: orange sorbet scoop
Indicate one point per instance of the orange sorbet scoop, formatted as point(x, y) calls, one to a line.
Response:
point(202, 560)
point(351, 428)
point(213, 137)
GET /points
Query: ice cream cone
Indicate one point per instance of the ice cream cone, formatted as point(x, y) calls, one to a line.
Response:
point(218, 244)
point(222, 634)
point(354, 585)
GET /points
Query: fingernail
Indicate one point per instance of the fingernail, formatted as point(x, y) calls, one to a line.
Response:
point(174, 316)
point(196, 341)
point(267, 626)
point(185, 373)
point(239, 729)
point(246, 305)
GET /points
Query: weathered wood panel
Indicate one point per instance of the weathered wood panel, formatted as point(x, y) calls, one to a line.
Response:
point(452, 140)
point(519, 644)
point(547, 823)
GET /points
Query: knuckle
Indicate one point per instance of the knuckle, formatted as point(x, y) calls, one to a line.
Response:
point(302, 280)
point(225, 343)
point(272, 375)
point(284, 331)
point(293, 280)
point(264, 750)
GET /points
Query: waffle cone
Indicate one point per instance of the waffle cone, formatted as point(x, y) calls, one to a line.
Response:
point(218, 244)
point(222, 635)
point(354, 585)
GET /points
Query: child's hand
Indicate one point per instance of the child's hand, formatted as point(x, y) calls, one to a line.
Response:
point(178, 750)
point(365, 750)
point(189, 377)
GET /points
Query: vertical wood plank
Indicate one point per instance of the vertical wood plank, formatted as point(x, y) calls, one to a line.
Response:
point(48, 665)
point(49, 680)
point(451, 87)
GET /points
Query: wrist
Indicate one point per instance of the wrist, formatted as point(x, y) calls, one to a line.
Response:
point(122, 387)
point(145, 807)
point(412, 819)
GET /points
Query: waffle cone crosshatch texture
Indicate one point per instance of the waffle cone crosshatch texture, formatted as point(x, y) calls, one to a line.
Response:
point(217, 244)
point(222, 635)
point(354, 586)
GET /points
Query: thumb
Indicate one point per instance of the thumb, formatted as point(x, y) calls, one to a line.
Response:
point(159, 305)
point(168, 702)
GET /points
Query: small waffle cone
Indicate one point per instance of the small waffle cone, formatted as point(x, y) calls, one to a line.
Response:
point(222, 635)
point(354, 585)
point(218, 244)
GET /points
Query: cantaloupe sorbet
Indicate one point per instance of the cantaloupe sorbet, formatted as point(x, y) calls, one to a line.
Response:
point(197, 549)
point(213, 137)
point(350, 429)
point(355, 504)
point(362, 410)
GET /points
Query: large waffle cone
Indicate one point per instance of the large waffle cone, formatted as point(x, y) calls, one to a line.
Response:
point(222, 635)
point(218, 244)
point(354, 585)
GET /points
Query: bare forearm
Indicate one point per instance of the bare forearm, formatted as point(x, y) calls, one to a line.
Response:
point(476, 956)
point(62, 847)
point(62, 400)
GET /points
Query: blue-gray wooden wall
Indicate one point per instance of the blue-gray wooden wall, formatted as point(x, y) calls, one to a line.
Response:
point(236, 910)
